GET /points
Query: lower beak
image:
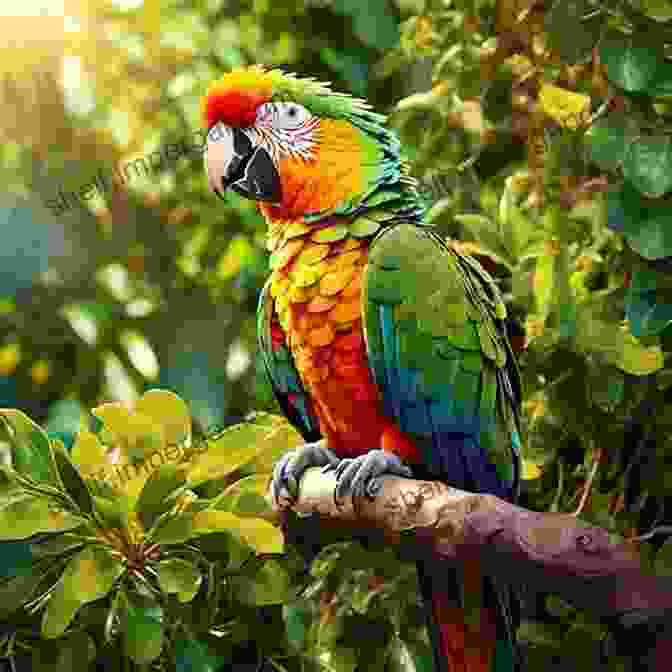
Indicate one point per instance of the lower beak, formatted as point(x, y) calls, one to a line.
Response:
point(232, 160)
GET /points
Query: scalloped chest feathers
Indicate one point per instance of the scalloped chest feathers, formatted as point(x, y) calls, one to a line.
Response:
point(316, 289)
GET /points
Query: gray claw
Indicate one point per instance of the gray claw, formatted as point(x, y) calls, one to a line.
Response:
point(357, 477)
point(289, 468)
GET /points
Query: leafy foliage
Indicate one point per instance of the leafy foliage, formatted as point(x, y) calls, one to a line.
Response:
point(140, 547)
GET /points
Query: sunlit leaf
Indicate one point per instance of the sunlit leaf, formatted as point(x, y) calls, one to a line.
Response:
point(531, 470)
point(88, 453)
point(25, 515)
point(543, 283)
point(280, 438)
point(174, 529)
point(246, 497)
point(261, 535)
point(168, 411)
point(89, 576)
point(566, 107)
point(232, 448)
point(133, 432)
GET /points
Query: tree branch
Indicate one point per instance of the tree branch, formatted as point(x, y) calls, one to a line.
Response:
point(547, 552)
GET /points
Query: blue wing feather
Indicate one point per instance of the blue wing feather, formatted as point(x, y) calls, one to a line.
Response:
point(282, 374)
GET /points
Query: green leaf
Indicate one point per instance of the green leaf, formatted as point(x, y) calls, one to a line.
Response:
point(631, 66)
point(56, 545)
point(137, 435)
point(496, 100)
point(608, 140)
point(16, 558)
point(174, 529)
point(639, 360)
point(112, 512)
point(605, 386)
point(338, 659)
point(169, 411)
point(648, 165)
point(485, 232)
point(231, 449)
point(404, 656)
point(88, 454)
point(661, 87)
point(653, 238)
point(142, 628)
point(24, 515)
point(270, 585)
point(663, 559)
point(154, 496)
point(648, 312)
point(179, 576)
point(297, 617)
point(623, 212)
point(617, 346)
point(88, 576)
point(375, 25)
point(31, 450)
point(72, 481)
point(245, 497)
point(566, 18)
point(279, 438)
point(658, 10)
point(17, 590)
point(192, 655)
point(261, 535)
point(543, 283)
point(223, 546)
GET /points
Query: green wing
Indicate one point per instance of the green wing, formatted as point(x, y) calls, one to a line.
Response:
point(439, 354)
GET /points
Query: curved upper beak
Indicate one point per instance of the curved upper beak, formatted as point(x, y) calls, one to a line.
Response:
point(232, 160)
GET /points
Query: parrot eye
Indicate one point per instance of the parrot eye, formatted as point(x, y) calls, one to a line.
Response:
point(291, 115)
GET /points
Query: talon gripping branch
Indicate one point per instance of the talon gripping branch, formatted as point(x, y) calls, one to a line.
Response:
point(377, 335)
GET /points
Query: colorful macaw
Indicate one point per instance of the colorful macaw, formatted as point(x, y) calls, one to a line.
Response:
point(385, 346)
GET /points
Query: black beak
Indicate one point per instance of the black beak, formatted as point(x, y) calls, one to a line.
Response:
point(232, 161)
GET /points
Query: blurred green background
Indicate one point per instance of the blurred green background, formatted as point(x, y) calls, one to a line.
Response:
point(118, 270)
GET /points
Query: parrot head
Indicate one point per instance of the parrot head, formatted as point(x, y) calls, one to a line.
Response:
point(293, 144)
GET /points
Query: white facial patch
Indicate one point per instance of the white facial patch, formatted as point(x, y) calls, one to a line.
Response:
point(285, 129)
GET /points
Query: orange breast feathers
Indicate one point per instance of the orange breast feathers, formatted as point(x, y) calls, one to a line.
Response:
point(334, 172)
point(316, 285)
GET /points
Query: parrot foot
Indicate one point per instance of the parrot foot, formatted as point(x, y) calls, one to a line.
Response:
point(289, 469)
point(357, 476)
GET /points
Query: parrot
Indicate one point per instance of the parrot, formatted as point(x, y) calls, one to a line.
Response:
point(385, 345)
